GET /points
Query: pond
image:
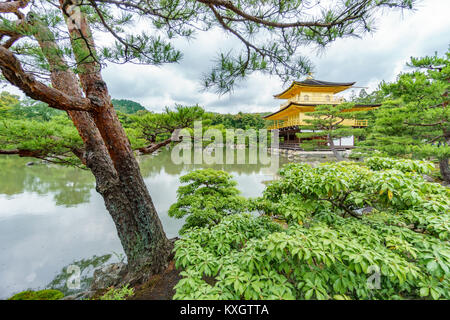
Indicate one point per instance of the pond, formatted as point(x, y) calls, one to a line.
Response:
point(52, 217)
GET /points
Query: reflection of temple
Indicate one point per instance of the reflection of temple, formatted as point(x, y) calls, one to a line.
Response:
point(303, 97)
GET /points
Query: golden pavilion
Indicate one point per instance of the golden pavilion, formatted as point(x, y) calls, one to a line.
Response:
point(303, 97)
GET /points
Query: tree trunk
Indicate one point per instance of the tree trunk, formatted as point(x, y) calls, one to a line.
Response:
point(154, 147)
point(445, 170)
point(15, 151)
point(443, 163)
point(118, 178)
point(333, 148)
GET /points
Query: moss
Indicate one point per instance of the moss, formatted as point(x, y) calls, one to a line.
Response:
point(149, 285)
point(38, 295)
point(118, 294)
point(308, 146)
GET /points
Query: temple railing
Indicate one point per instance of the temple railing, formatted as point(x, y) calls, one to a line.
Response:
point(313, 100)
point(361, 123)
point(297, 122)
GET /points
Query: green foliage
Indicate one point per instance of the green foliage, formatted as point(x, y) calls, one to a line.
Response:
point(38, 295)
point(376, 97)
point(7, 102)
point(266, 49)
point(33, 110)
point(127, 106)
point(271, 43)
point(414, 120)
point(53, 140)
point(152, 128)
point(327, 121)
point(207, 197)
point(156, 127)
point(239, 121)
point(311, 145)
point(404, 165)
point(45, 133)
point(324, 245)
point(118, 294)
point(220, 252)
point(13, 107)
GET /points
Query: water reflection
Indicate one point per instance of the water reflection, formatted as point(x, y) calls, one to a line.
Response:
point(68, 186)
point(166, 164)
point(51, 216)
point(80, 278)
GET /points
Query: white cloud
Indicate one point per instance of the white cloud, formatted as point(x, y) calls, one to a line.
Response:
point(368, 61)
point(376, 57)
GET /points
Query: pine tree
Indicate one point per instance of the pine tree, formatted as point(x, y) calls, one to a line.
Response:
point(328, 122)
point(415, 118)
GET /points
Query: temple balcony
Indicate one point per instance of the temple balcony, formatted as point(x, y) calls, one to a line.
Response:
point(279, 124)
point(314, 100)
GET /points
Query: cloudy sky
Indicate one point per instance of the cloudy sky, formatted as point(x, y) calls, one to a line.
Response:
point(378, 56)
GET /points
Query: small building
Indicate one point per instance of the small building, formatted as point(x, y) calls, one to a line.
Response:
point(303, 97)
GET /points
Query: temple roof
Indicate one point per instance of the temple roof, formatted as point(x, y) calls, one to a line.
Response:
point(314, 82)
point(307, 107)
point(313, 85)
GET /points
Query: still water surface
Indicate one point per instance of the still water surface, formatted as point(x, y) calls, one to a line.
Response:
point(51, 216)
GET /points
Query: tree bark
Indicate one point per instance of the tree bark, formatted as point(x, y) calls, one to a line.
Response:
point(155, 146)
point(443, 163)
point(445, 170)
point(13, 151)
point(333, 148)
point(12, 6)
point(130, 206)
point(139, 226)
point(14, 73)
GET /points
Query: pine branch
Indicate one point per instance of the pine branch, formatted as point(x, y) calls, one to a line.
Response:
point(14, 73)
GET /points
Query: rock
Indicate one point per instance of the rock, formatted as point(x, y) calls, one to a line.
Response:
point(30, 164)
point(176, 135)
point(428, 178)
point(365, 210)
point(80, 296)
point(109, 275)
point(347, 153)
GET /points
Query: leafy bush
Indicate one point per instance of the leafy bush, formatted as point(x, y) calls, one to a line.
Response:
point(404, 165)
point(311, 146)
point(38, 295)
point(208, 196)
point(118, 294)
point(337, 231)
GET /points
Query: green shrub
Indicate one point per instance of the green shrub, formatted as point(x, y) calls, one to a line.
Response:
point(308, 146)
point(321, 245)
point(118, 294)
point(404, 165)
point(38, 295)
point(207, 197)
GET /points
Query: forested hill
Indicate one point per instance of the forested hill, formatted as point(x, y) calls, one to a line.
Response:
point(127, 106)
